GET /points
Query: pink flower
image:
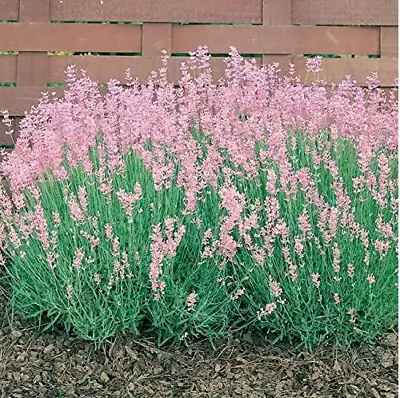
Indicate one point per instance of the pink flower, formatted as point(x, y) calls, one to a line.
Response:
point(304, 223)
point(191, 301)
point(56, 218)
point(77, 262)
point(268, 310)
point(351, 312)
point(336, 297)
point(115, 247)
point(117, 267)
point(51, 259)
point(293, 271)
point(111, 281)
point(82, 198)
point(276, 289)
point(160, 249)
point(237, 294)
point(258, 254)
point(384, 228)
point(371, 279)
point(40, 224)
point(97, 278)
point(228, 246)
point(14, 238)
point(69, 292)
point(109, 231)
point(316, 281)
point(350, 270)
point(336, 258)
point(304, 178)
point(128, 199)
point(382, 247)
point(298, 246)
point(76, 212)
point(271, 185)
point(94, 242)
point(314, 64)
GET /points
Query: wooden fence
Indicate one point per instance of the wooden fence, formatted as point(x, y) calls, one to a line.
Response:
point(39, 38)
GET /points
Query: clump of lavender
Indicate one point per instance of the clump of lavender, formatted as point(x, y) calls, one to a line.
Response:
point(257, 201)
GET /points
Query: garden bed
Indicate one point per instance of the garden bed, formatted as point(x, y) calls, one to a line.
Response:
point(54, 366)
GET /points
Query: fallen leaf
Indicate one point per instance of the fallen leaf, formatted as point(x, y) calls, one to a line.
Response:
point(337, 367)
point(16, 334)
point(132, 354)
point(390, 340)
point(48, 349)
point(131, 387)
point(104, 377)
point(387, 360)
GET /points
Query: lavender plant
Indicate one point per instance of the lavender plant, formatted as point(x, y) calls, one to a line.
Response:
point(256, 202)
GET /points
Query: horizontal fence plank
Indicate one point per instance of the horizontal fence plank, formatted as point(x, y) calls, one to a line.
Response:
point(389, 41)
point(8, 68)
point(9, 10)
point(222, 11)
point(277, 40)
point(334, 70)
point(70, 37)
point(345, 12)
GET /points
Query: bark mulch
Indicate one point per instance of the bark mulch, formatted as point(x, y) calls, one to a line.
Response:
point(56, 366)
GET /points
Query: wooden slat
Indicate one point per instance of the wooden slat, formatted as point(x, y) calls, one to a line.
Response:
point(9, 10)
point(345, 12)
point(335, 69)
point(389, 41)
point(8, 68)
point(233, 11)
point(32, 69)
point(277, 40)
point(155, 38)
point(70, 37)
point(277, 12)
point(34, 10)
point(32, 66)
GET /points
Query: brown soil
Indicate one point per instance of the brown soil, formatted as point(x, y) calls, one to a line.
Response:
point(56, 366)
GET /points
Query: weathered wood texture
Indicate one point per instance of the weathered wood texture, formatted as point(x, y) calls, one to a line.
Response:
point(135, 32)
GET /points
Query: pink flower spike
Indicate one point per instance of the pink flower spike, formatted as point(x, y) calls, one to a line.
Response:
point(268, 310)
point(350, 270)
point(336, 297)
point(276, 289)
point(69, 292)
point(316, 281)
point(191, 301)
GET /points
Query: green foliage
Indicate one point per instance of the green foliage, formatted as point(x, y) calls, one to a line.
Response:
point(305, 315)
